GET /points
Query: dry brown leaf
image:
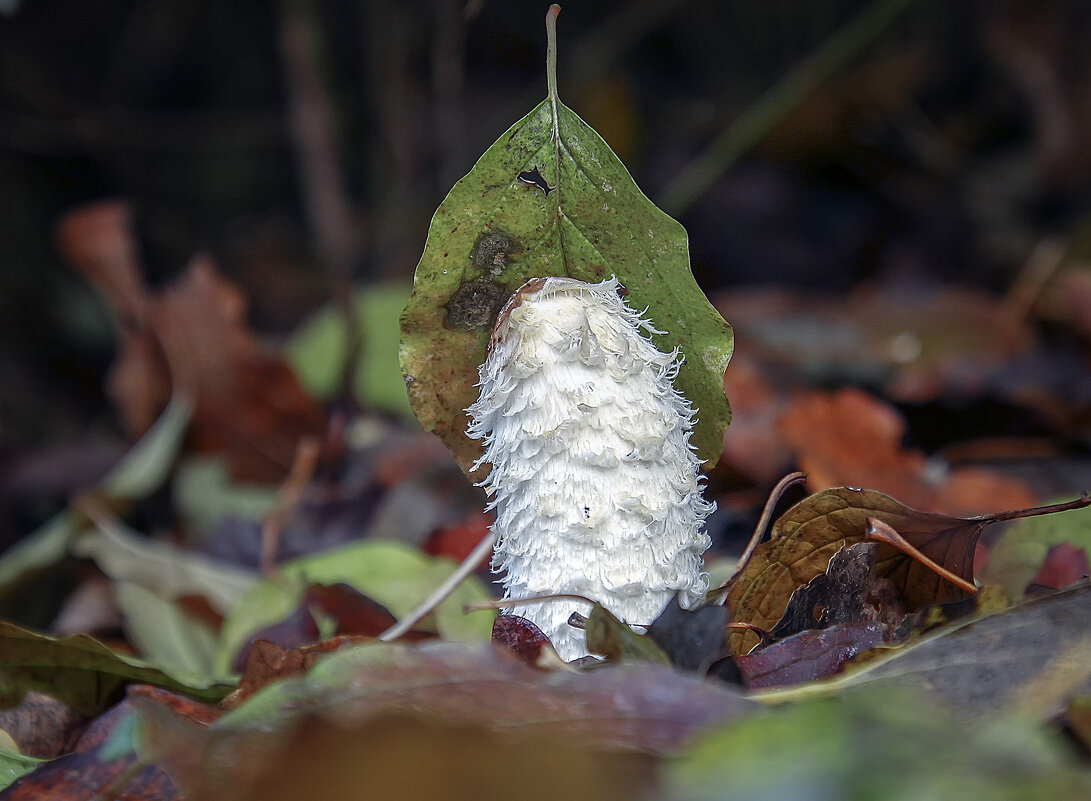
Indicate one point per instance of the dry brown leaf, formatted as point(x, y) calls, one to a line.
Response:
point(809, 534)
point(193, 337)
point(849, 438)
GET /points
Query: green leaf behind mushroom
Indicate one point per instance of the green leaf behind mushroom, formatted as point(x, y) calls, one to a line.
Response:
point(549, 198)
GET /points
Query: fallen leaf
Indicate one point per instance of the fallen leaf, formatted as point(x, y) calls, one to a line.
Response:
point(105, 758)
point(1030, 660)
point(807, 536)
point(41, 726)
point(849, 438)
point(395, 575)
point(340, 608)
point(692, 638)
point(876, 744)
point(521, 637)
point(609, 637)
point(361, 692)
point(81, 671)
point(848, 592)
point(1064, 565)
point(249, 404)
point(142, 470)
point(267, 662)
point(808, 655)
point(192, 338)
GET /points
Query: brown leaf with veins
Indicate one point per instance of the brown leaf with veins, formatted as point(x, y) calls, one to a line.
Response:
point(808, 535)
point(192, 337)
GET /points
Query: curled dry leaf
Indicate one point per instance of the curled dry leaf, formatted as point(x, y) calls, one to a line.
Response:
point(808, 535)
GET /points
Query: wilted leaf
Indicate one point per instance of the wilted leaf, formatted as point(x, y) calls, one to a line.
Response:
point(1019, 553)
point(364, 693)
point(396, 575)
point(81, 671)
point(609, 637)
point(692, 639)
point(550, 198)
point(807, 536)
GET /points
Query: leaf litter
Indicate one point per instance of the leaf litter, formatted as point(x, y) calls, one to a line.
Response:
point(865, 647)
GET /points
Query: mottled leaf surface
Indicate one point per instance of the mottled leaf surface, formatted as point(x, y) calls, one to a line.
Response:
point(494, 231)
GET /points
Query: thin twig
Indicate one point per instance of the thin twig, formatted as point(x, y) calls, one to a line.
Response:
point(775, 495)
point(288, 498)
point(748, 129)
point(478, 606)
point(1036, 271)
point(469, 564)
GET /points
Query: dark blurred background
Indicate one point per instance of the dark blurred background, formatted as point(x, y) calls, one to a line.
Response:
point(304, 145)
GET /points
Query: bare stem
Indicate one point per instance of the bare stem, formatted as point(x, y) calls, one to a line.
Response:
point(469, 564)
point(775, 495)
point(1067, 506)
point(551, 85)
point(551, 54)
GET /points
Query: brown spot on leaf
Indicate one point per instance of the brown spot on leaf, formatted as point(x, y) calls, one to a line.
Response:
point(491, 250)
point(475, 304)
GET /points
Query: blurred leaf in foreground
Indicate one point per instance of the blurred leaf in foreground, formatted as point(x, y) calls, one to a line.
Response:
point(488, 726)
point(82, 671)
point(550, 198)
point(891, 745)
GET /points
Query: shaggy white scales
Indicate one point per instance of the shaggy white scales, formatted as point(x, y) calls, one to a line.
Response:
point(594, 482)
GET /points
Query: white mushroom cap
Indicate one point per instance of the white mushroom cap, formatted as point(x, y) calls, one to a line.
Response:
point(595, 484)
